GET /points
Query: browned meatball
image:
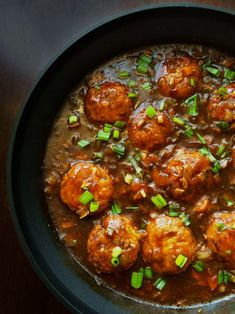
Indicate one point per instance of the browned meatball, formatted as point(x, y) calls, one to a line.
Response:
point(178, 77)
point(149, 133)
point(166, 239)
point(86, 176)
point(185, 174)
point(221, 236)
point(116, 234)
point(108, 103)
point(222, 107)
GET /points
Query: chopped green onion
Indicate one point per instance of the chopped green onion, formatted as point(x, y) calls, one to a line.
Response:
point(221, 226)
point(84, 143)
point(222, 125)
point(178, 120)
point(173, 213)
point(145, 59)
point(97, 157)
point(201, 138)
point(213, 70)
point(116, 134)
point(220, 150)
point(181, 260)
point(72, 119)
point(198, 266)
point(115, 261)
point(132, 83)
point(132, 207)
point(142, 68)
point(159, 201)
point(188, 131)
point(229, 202)
point(119, 124)
point(119, 149)
point(128, 178)
point(222, 91)
point(216, 167)
point(142, 192)
point(132, 95)
point(160, 283)
point(123, 74)
point(223, 277)
point(191, 103)
point(116, 208)
point(86, 197)
point(97, 87)
point(146, 86)
point(116, 251)
point(103, 136)
point(192, 82)
point(137, 279)
point(135, 164)
point(229, 74)
point(206, 152)
point(148, 273)
point(94, 206)
point(162, 105)
point(151, 112)
point(107, 127)
point(185, 219)
point(174, 206)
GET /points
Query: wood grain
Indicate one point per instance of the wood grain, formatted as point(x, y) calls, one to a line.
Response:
point(32, 33)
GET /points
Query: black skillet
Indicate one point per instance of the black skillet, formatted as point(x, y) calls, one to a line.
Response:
point(76, 289)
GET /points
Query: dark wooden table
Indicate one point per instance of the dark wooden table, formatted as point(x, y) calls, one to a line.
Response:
point(32, 32)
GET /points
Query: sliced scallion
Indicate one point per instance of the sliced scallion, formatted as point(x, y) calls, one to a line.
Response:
point(185, 219)
point(220, 150)
point(135, 164)
point(119, 124)
point(148, 273)
point(198, 266)
point(188, 131)
point(132, 83)
point(160, 283)
point(201, 138)
point(132, 95)
point(222, 91)
point(72, 119)
point(206, 152)
point(137, 279)
point(216, 167)
point(123, 74)
point(223, 125)
point(94, 206)
point(146, 86)
point(229, 202)
point(229, 74)
point(86, 197)
point(181, 260)
point(116, 134)
point(192, 82)
point(107, 127)
point(97, 157)
point(223, 277)
point(178, 121)
point(142, 68)
point(103, 136)
point(116, 208)
point(151, 112)
point(221, 226)
point(84, 143)
point(119, 149)
point(128, 178)
point(159, 201)
point(145, 58)
point(115, 261)
point(191, 103)
point(213, 70)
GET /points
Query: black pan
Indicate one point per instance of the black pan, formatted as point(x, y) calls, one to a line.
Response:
point(77, 290)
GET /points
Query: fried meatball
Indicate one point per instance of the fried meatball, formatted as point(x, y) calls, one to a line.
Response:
point(149, 133)
point(82, 176)
point(221, 236)
point(167, 238)
point(222, 107)
point(115, 233)
point(178, 77)
point(108, 103)
point(185, 174)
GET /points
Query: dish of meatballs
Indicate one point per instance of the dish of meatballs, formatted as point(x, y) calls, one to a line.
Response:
point(139, 174)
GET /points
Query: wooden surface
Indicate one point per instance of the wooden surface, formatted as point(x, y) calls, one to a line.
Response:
point(32, 32)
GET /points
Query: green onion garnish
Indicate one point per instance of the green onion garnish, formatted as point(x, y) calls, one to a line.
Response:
point(83, 143)
point(115, 261)
point(201, 138)
point(222, 91)
point(116, 208)
point(223, 277)
point(97, 157)
point(185, 219)
point(146, 86)
point(220, 150)
point(162, 105)
point(135, 164)
point(223, 125)
point(206, 152)
point(116, 251)
point(86, 197)
point(181, 260)
point(213, 70)
point(119, 149)
point(132, 83)
point(72, 119)
point(119, 124)
point(137, 279)
point(188, 131)
point(123, 74)
point(103, 136)
point(221, 226)
point(132, 95)
point(142, 68)
point(229, 202)
point(132, 207)
point(94, 206)
point(145, 59)
point(178, 120)
point(160, 283)
point(151, 112)
point(128, 178)
point(159, 201)
point(191, 103)
point(148, 273)
point(198, 266)
point(116, 134)
point(107, 127)
point(216, 167)
point(174, 206)
point(192, 82)
point(229, 74)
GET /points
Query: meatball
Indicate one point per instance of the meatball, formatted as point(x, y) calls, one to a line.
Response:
point(221, 236)
point(116, 236)
point(222, 107)
point(185, 174)
point(149, 133)
point(86, 176)
point(166, 239)
point(108, 103)
point(178, 77)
